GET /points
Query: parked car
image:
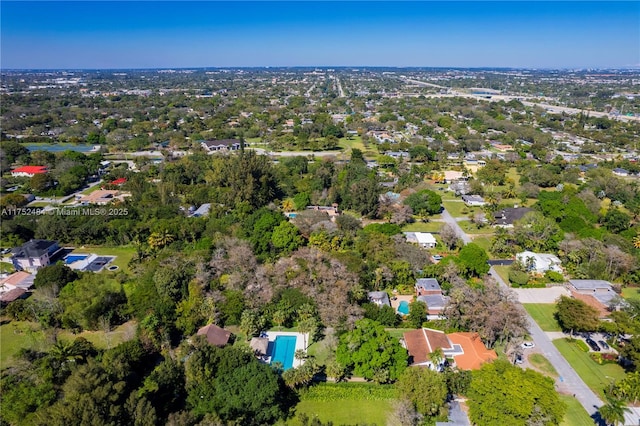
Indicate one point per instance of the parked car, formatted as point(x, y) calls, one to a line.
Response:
point(528, 345)
point(437, 257)
point(518, 359)
point(604, 345)
point(592, 343)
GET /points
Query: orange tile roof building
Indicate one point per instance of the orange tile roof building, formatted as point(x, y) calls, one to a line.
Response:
point(466, 349)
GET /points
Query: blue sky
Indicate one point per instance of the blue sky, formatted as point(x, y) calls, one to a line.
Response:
point(162, 34)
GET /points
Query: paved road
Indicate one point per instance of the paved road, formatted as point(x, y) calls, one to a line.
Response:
point(568, 380)
point(446, 217)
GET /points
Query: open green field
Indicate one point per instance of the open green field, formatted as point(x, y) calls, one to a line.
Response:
point(123, 254)
point(398, 332)
point(597, 377)
point(576, 414)
point(540, 363)
point(470, 228)
point(88, 191)
point(102, 340)
point(346, 403)
point(457, 208)
point(17, 335)
point(543, 313)
point(423, 227)
point(346, 411)
point(514, 176)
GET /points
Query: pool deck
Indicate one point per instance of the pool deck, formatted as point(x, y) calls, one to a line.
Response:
point(300, 339)
point(400, 298)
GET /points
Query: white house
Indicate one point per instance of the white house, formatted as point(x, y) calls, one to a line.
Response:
point(423, 239)
point(473, 200)
point(539, 262)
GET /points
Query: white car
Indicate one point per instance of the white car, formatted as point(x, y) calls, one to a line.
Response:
point(528, 345)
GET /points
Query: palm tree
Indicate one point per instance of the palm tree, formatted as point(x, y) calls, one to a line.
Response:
point(288, 205)
point(636, 242)
point(613, 411)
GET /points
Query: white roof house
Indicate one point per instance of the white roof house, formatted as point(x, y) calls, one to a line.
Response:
point(539, 262)
point(423, 239)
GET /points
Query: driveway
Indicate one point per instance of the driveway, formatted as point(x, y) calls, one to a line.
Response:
point(447, 218)
point(540, 295)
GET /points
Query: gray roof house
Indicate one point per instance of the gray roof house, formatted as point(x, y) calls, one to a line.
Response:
point(34, 254)
point(380, 298)
point(222, 145)
point(426, 286)
point(508, 216)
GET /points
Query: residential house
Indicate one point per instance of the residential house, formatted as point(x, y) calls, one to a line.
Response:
point(221, 145)
point(453, 176)
point(466, 350)
point(596, 293)
point(202, 211)
point(102, 197)
point(331, 210)
point(423, 239)
point(34, 254)
point(620, 172)
point(508, 216)
point(473, 200)
point(215, 335)
point(539, 262)
point(426, 286)
point(15, 286)
point(380, 298)
point(29, 171)
point(428, 290)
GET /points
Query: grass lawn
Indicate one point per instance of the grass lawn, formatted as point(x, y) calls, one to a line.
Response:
point(470, 228)
point(90, 190)
point(576, 414)
point(123, 254)
point(631, 293)
point(102, 340)
point(540, 363)
point(320, 350)
point(503, 271)
point(458, 208)
point(542, 313)
point(484, 242)
point(16, 335)
point(514, 176)
point(423, 227)
point(596, 376)
point(346, 411)
point(398, 332)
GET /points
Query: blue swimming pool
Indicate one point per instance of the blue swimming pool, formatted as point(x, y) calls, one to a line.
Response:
point(403, 308)
point(283, 351)
point(74, 258)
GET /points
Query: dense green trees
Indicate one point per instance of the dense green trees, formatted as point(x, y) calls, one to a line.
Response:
point(504, 394)
point(233, 385)
point(575, 315)
point(425, 202)
point(370, 352)
point(426, 389)
point(472, 260)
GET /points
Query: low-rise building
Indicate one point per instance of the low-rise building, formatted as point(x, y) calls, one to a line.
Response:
point(102, 197)
point(221, 145)
point(473, 200)
point(34, 254)
point(508, 216)
point(423, 239)
point(380, 298)
point(29, 171)
point(539, 262)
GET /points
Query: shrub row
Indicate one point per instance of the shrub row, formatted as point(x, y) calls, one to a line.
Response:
point(338, 391)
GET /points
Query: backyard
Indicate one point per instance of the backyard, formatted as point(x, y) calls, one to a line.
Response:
point(543, 314)
point(597, 377)
point(346, 403)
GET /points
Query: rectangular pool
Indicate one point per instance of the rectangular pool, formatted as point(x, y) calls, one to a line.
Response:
point(74, 258)
point(283, 351)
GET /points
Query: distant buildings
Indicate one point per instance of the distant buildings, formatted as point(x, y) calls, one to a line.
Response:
point(29, 171)
point(221, 145)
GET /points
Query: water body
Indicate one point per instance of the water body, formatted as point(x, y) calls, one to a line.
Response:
point(58, 147)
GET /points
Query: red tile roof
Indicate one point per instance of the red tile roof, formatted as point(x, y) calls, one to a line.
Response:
point(30, 169)
point(475, 352)
point(119, 181)
point(420, 343)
